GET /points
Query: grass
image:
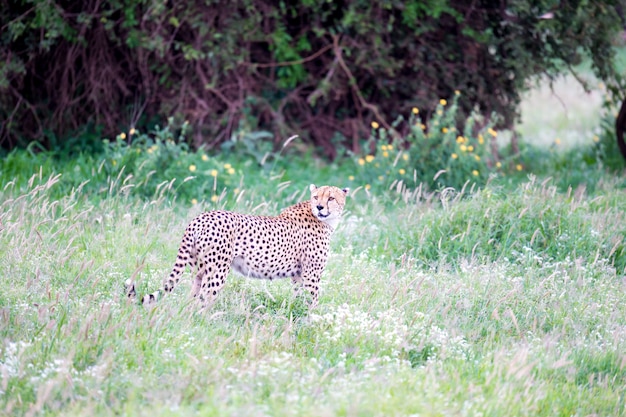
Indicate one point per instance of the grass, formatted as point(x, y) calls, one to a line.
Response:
point(503, 301)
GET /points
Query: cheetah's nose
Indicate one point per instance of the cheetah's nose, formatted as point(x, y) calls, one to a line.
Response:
point(320, 208)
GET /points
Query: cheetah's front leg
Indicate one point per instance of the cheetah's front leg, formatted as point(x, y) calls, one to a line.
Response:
point(310, 282)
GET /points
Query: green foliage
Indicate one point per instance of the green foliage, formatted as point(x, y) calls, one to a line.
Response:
point(288, 76)
point(154, 163)
point(439, 156)
point(323, 70)
point(159, 160)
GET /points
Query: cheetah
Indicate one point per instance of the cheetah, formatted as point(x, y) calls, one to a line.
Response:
point(294, 244)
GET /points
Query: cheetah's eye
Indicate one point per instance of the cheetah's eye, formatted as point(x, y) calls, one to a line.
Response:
point(331, 198)
point(314, 197)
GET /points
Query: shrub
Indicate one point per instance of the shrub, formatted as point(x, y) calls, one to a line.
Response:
point(149, 165)
point(323, 70)
point(433, 152)
point(162, 157)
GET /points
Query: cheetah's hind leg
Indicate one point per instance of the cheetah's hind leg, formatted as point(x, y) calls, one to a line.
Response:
point(198, 287)
point(298, 287)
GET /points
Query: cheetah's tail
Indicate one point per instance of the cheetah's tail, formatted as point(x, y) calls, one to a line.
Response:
point(184, 258)
point(131, 293)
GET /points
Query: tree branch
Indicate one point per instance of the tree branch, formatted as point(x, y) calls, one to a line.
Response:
point(355, 88)
point(289, 63)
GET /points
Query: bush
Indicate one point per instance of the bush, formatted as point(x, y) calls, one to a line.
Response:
point(433, 152)
point(323, 70)
point(153, 163)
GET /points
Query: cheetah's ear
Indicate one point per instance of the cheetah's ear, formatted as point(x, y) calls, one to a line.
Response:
point(312, 187)
point(346, 191)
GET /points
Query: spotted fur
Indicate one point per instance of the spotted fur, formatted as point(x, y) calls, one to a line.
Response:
point(294, 244)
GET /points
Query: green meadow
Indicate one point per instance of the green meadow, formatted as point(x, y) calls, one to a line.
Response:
point(500, 297)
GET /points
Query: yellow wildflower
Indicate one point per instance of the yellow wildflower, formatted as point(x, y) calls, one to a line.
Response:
point(383, 147)
point(470, 148)
point(405, 156)
point(475, 173)
point(519, 167)
point(132, 131)
point(443, 102)
point(457, 92)
point(231, 171)
point(390, 147)
point(423, 126)
point(498, 164)
point(367, 186)
point(236, 191)
point(122, 135)
point(227, 166)
point(557, 141)
point(596, 139)
point(214, 198)
point(192, 168)
point(492, 132)
point(351, 178)
point(454, 156)
point(380, 177)
point(361, 161)
point(369, 158)
point(213, 172)
point(415, 110)
point(439, 112)
point(460, 139)
point(481, 140)
point(205, 157)
point(444, 130)
point(114, 162)
point(194, 201)
point(375, 125)
point(402, 171)
point(463, 148)
point(385, 154)
point(477, 157)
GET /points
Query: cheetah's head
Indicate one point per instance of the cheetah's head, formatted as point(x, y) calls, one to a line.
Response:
point(327, 203)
